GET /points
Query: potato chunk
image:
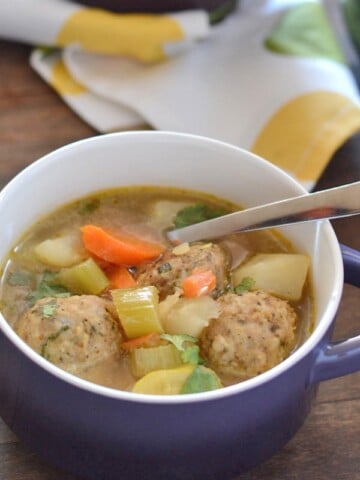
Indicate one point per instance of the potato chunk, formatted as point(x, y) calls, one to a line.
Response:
point(280, 274)
point(188, 316)
point(164, 211)
point(63, 251)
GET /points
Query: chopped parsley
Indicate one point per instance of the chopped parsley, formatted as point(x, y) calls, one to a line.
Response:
point(178, 340)
point(201, 379)
point(90, 206)
point(48, 309)
point(189, 354)
point(164, 268)
point(46, 288)
point(51, 338)
point(19, 279)
point(246, 284)
point(196, 213)
point(192, 355)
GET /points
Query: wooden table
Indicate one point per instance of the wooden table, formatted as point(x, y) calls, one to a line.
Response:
point(34, 121)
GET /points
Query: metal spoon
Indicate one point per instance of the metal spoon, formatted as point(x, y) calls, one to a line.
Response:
point(335, 202)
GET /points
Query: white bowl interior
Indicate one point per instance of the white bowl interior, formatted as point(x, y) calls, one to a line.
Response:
point(168, 159)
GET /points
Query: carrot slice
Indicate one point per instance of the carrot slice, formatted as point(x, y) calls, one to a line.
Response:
point(120, 249)
point(149, 340)
point(200, 282)
point(120, 277)
point(103, 264)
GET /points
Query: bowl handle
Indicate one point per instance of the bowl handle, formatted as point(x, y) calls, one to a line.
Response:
point(335, 359)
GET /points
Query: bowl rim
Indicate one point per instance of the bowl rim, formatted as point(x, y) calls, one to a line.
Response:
point(291, 361)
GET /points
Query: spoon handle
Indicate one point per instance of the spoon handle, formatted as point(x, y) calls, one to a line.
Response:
point(335, 202)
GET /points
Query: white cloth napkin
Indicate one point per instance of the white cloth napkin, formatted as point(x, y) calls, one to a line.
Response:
point(247, 83)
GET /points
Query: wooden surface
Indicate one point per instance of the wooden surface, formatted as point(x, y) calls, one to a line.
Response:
point(34, 121)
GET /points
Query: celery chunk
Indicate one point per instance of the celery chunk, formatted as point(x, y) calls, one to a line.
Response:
point(138, 310)
point(84, 278)
point(145, 360)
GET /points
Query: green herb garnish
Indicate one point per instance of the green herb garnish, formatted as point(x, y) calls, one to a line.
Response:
point(51, 338)
point(201, 379)
point(189, 354)
point(46, 288)
point(90, 206)
point(164, 268)
point(246, 284)
point(19, 279)
point(192, 355)
point(178, 340)
point(48, 309)
point(196, 213)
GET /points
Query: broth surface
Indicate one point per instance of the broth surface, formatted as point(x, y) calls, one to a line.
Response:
point(142, 212)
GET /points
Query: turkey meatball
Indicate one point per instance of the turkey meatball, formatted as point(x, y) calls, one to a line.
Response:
point(74, 333)
point(254, 332)
point(168, 272)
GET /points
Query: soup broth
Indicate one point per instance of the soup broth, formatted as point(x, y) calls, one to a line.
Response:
point(75, 299)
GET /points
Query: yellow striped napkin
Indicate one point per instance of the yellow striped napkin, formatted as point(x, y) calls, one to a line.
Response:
point(60, 23)
point(269, 78)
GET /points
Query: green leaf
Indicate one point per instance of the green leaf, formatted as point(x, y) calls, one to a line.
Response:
point(192, 355)
point(189, 354)
point(178, 340)
point(164, 268)
point(51, 338)
point(19, 278)
point(90, 206)
point(202, 379)
point(49, 277)
point(46, 289)
point(48, 309)
point(246, 284)
point(196, 213)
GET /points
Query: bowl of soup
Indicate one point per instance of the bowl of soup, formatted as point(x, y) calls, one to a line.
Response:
point(124, 354)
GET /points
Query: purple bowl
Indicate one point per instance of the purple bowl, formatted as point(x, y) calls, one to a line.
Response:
point(97, 432)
